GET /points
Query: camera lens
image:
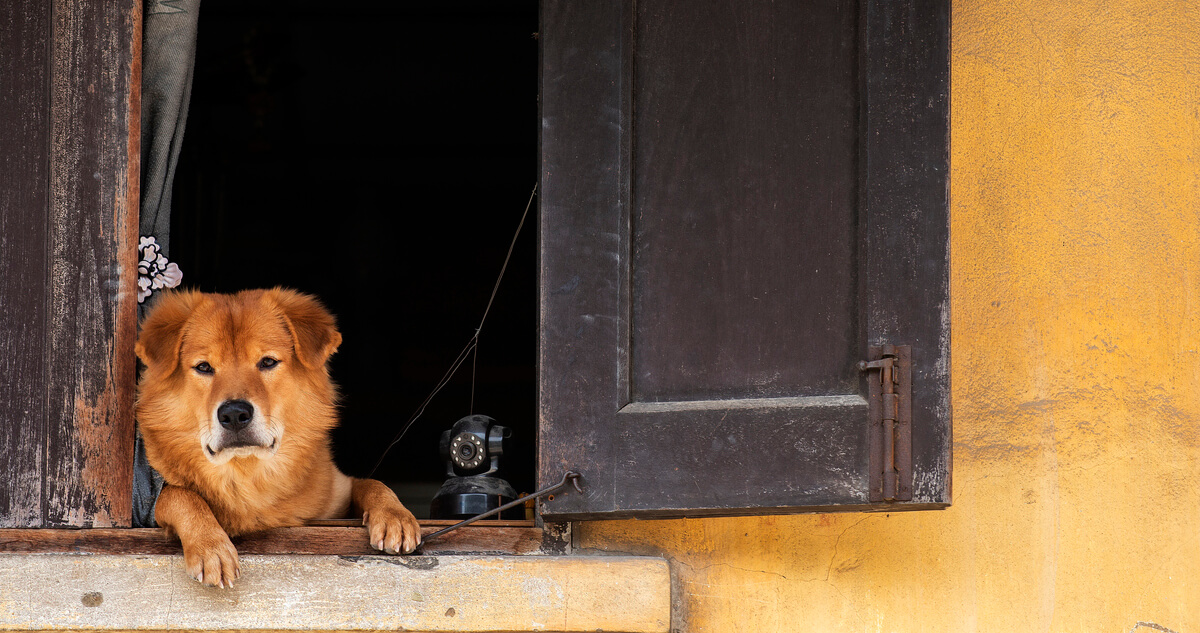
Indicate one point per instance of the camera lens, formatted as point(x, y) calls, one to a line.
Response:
point(466, 450)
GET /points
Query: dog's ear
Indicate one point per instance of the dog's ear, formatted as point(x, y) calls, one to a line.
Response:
point(162, 329)
point(314, 330)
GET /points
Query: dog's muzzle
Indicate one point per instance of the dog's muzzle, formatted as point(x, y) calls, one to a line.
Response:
point(240, 431)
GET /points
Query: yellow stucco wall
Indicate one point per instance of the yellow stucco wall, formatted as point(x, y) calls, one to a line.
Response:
point(1075, 216)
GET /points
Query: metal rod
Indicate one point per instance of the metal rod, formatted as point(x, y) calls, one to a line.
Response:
point(571, 477)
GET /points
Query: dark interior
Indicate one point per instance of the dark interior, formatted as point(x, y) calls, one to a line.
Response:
point(378, 155)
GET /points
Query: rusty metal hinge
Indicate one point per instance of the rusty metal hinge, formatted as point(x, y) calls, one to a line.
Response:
point(890, 405)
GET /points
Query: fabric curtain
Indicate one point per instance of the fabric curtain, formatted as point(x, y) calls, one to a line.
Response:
point(168, 60)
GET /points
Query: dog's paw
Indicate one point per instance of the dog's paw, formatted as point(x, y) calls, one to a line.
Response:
point(212, 559)
point(392, 529)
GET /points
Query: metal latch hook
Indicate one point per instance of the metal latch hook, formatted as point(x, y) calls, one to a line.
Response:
point(570, 477)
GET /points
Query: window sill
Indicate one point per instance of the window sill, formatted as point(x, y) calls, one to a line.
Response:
point(342, 537)
point(291, 592)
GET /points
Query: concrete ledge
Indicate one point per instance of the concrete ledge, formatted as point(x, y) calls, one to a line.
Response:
point(415, 593)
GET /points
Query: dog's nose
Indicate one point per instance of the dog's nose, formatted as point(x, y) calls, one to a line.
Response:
point(235, 415)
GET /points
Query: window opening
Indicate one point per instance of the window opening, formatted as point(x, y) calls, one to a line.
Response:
point(378, 158)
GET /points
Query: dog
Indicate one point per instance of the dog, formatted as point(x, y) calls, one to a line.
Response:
point(235, 405)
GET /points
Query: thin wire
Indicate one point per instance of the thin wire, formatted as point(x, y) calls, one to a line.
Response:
point(474, 364)
point(507, 257)
point(462, 356)
point(471, 346)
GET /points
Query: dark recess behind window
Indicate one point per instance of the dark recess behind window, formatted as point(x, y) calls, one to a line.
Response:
point(379, 156)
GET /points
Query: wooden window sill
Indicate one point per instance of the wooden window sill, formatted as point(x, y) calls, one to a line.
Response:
point(341, 537)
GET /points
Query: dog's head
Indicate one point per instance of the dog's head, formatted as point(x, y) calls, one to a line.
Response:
point(230, 373)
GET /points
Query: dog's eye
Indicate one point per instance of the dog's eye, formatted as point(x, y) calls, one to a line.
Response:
point(203, 368)
point(267, 362)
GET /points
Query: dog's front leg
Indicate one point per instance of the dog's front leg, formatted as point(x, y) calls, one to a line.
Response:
point(392, 528)
point(207, 551)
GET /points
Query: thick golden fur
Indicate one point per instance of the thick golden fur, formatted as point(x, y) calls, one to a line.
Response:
point(266, 348)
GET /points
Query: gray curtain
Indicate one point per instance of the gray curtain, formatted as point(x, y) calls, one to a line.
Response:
point(168, 56)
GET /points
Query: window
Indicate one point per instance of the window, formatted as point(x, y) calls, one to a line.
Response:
point(67, 330)
point(357, 154)
point(738, 202)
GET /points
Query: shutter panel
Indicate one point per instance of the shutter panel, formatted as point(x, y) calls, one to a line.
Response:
point(67, 283)
point(739, 200)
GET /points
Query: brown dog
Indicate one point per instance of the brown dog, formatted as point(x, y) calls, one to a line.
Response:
point(235, 406)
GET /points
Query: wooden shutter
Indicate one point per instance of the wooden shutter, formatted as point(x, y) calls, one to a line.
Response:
point(68, 239)
point(740, 200)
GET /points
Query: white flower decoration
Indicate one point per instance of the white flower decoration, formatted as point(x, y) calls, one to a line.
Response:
point(154, 271)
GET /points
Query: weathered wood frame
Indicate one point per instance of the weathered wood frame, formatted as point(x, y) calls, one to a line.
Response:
point(588, 419)
point(69, 220)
